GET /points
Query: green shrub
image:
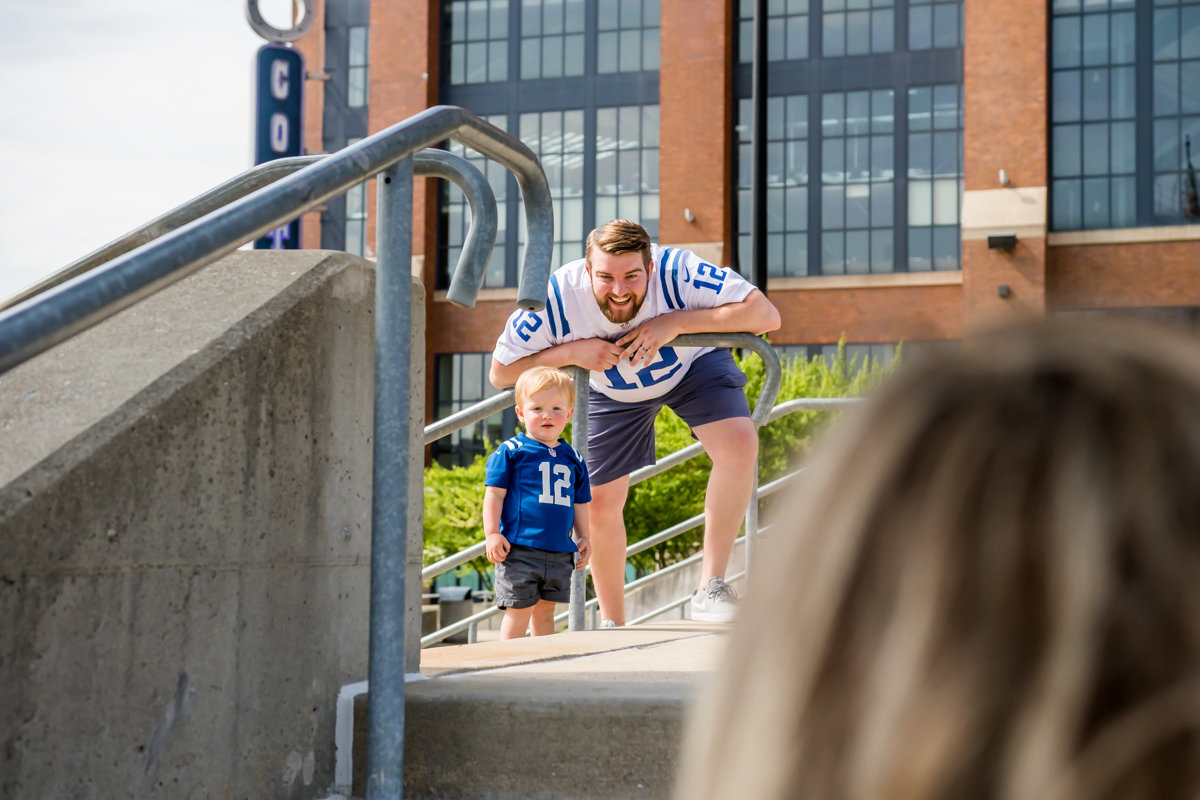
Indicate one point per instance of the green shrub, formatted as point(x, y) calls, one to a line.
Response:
point(454, 497)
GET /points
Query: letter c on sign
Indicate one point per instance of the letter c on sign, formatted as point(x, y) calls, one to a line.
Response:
point(279, 133)
point(279, 79)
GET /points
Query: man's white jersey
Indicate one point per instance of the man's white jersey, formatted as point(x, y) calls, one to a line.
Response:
point(680, 280)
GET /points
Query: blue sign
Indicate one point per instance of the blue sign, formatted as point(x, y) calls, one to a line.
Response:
point(279, 124)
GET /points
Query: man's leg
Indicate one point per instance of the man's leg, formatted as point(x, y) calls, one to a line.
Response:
point(732, 444)
point(606, 515)
point(543, 618)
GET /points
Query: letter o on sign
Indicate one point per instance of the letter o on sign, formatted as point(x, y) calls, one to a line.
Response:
point(279, 133)
point(272, 34)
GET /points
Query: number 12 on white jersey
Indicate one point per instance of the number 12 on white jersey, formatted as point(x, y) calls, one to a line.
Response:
point(564, 480)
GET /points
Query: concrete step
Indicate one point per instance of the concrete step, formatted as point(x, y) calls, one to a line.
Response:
point(595, 714)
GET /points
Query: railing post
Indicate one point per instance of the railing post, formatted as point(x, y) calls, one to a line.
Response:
point(576, 620)
point(389, 488)
point(751, 525)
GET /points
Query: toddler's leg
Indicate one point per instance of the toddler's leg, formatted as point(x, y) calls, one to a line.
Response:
point(543, 618)
point(516, 621)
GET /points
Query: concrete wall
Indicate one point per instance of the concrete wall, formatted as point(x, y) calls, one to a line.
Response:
point(185, 536)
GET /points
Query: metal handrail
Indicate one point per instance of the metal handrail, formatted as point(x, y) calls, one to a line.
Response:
point(468, 273)
point(65, 310)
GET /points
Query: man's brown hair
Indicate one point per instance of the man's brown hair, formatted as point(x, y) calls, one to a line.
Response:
point(617, 237)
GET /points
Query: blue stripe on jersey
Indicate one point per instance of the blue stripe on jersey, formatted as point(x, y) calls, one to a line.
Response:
point(550, 316)
point(562, 315)
point(675, 278)
point(663, 261)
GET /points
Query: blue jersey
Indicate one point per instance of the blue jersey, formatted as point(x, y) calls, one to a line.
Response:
point(543, 485)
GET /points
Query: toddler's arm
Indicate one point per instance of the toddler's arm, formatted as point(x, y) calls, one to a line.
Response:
point(493, 504)
point(582, 535)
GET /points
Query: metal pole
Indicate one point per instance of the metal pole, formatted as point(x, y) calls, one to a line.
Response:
point(576, 621)
point(389, 488)
point(751, 524)
point(758, 144)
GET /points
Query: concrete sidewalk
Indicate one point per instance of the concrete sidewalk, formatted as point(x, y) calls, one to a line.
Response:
point(596, 714)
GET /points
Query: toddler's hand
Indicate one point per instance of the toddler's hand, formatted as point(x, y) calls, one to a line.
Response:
point(497, 548)
point(585, 553)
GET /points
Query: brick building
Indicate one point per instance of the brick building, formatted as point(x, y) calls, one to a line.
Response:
point(890, 123)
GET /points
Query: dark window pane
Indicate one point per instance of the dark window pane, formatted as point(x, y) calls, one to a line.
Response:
point(883, 257)
point(631, 51)
point(651, 13)
point(1189, 32)
point(477, 19)
point(1166, 89)
point(797, 209)
point(834, 35)
point(797, 162)
point(882, 158)
point(775, 164)
point(573, 54)
point(1189, 87)
point(833, 253)
point(552, 17)
point(858, 206)
point(833, 110)
point(833, 161)
point(920, 249)
point(1065, 41)
point(833, 200)
point(606, 53)
point(650, 49)
point(1190, 133)
point(574, 13)
point(797, 38)
point(650, 126)
point(775, 254)
point(920, 28)
point(858, 33)
point(945, 154)
point(498, 61)
point(631, 13)
point(775, 43)
point(775, 118)
point(745, 42)
point(945, 25)
point(945, 248)
point(477, 62)
point(796, 254)
point(531, 18)
point(552, 57)
point(883, 31)
point(1095, 94)
point(458, 21)
point(920, 152)
point(858, 253)
point(1166, 200)
point(945, 107)
point(608, 15)
point(1166, 34)
point(920, 107)
point(1067, 155)
point(1068, 99)
point(1122, 93)
point(775, 210)
point(858, 158)
point(883, 207)
point(1123, 39)
point(858, 113)
point(1095, 40)
point(1095, 149)
point(883, 111)
point(797, 117)
point(1124, 152)
point(1095, 203)
point(531, 58)
point(1166, 145)
point(1124, 208)
point(745, 206)
point(458, 64)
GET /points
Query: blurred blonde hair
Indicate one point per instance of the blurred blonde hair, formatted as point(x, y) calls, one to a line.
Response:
point(535, 379)
point(988, 588)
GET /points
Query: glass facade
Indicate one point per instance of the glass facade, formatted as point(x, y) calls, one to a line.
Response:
point(357, 73)
point(461, 381)
point(476, 37)
point(551, 38)
point(557, 138)
point(629, 36)
point(857, 188)
point(455, 217)
point(864, 138)
point(857, 27)
point(935, 170)
point(344, 117)
point(787, 30)
point(627, 166)
point(935, 24)
point(1176, 111)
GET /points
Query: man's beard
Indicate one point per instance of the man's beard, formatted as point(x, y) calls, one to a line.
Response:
point(617, 315)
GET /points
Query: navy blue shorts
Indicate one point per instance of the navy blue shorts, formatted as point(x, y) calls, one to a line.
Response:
point(621, 435)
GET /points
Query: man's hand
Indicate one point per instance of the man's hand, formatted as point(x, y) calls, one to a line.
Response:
point(642, 344)
point(596, 355)
point(585, 552)
point(497, 548)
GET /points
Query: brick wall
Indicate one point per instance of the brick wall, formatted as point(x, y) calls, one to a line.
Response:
point(1124, 275)
point(910, 313)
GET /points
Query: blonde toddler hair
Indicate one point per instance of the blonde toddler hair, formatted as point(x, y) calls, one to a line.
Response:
point(539, 378)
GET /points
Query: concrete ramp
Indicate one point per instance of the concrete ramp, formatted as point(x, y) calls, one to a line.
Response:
point(185, 498)
point(595, 714)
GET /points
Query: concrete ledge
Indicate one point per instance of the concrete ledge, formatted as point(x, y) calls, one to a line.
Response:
point(1169, 233)
point(485, 295)
point(888, 280)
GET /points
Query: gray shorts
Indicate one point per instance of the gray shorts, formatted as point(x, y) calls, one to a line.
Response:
point(529, 574)
point(621, 435)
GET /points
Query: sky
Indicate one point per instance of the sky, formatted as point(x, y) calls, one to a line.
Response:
point(113, 112)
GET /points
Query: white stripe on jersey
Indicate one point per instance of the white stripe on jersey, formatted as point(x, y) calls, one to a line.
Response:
point(680, 281)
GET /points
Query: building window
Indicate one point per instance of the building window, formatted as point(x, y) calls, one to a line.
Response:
point(935, 169)
point(857, 190)
point(628, 40)
point(627, 165)
point(477, 50)
point(557, 138)
point(787, 184)
point(456, 214)
point(462, 381)
point(356, 215)
point(1094, 145)
point(551, 38)
point(858, 27)
point(356, 95)
point(787, 30)
point(1176, 113)
point(934, 24)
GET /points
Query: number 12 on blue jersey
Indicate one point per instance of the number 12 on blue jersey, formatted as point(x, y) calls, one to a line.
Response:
point(564, 480)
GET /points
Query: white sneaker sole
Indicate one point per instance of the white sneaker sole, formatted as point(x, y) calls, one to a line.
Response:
point(713, 616)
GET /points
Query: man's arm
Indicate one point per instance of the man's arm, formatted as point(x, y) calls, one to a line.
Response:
point(756, 314)
point(594, 354)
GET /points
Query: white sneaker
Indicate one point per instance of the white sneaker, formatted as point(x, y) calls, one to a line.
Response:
point(608, 623)
point(717, 602)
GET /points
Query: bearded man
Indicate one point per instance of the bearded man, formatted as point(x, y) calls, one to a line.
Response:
point(613, 312)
